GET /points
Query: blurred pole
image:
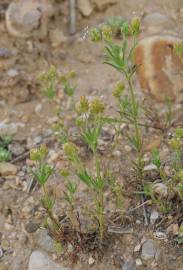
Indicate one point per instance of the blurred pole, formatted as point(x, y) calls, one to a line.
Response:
point(72, 16)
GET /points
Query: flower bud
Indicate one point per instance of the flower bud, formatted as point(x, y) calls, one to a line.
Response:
point(118, 90)
point(96, 107)
point(135, 26)
point(95, 35)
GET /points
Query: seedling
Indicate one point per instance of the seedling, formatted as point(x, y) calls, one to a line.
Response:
point(5, 154)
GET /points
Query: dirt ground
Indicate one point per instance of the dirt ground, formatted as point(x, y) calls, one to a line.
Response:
point(22, 102)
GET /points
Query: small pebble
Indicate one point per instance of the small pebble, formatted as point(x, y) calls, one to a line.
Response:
point(91, 260)
point(148, 250)
point(173, 229)
point(138, 262)
point(116, 153)
point(150, 167)
point(38, 108)
point(160, 189)
point(137, 248)
point(31, 227)
point(37, 139)
point(127, 148)
point(160, 235)
point(154, 216)
point(12, 73)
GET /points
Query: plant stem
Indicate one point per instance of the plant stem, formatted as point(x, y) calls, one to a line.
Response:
point(99, 198)
point(138, 136)
point(49, 212)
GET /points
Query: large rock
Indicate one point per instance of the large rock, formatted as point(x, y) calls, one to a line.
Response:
point(85, 7)
point(39, 261)
point(155, 23)
point(7, 58)
point(160, 70)
point(57, 38)
point(10, 128)
point(27, 18)
point(7, 169)
point(149, 250)
point(3, 266)
point(44, 241)
point(103, 4)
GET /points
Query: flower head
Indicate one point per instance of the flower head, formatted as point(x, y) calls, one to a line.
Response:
point(118, 90)
point(50, 75)
point(71, 151)
point(83, 105)
point(96, 107)
point(107, 32)
point(38, 154)
point(135, 26)
point(95, 35)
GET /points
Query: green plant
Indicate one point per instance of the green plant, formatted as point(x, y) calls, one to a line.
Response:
point(42, 173)
point(5, 154)
point(69, 197)
point(95, 183)
point(176, 144)
point(51, 79)
point(90, 123)
point(120, 57)
point(90, 119)
point(48, 81)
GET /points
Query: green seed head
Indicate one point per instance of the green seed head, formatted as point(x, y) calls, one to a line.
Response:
point(83, 105)
point(70, 150)
point(95, 35)
point(51, 75)
point(96, 107)
point(107, 33)
point(38, 154)
point(118, 90)
point(135, 26)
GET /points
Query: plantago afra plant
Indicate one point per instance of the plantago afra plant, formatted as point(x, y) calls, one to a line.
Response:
point(42, 173)
point(120, 57)
point(90, 122)
point(69, 197)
